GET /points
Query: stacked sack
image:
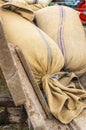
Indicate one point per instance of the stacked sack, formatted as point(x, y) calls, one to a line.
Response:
point(46, 61)
point(63, 25)
point(22, 7)
point(45, 2)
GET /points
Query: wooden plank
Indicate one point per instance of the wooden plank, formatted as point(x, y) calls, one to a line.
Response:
point(79, 123)
point(16, 115)
point(33, 108)
point(33, 82)
point(18, 84)
point(6, 101)
point(54, 124)
point(9, 70)
point(13, 115)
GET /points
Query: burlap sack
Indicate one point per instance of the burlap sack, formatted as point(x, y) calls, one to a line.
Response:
point(45, 2)
point(46, 61)
point(63, 25)
point(36, 7)
point(22, 8)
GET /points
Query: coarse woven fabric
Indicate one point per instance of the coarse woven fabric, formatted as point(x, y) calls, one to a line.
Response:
point(63, 25)
point(22, 8)
point(45, 2)
point(46, 61)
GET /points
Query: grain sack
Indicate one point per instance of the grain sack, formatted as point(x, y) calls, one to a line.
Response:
point(45, 2)
point(22, 8)
point(62, 24)
point(46, 61)
point(36, 7)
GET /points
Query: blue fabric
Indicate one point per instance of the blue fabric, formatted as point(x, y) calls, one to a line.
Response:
point(72, 2)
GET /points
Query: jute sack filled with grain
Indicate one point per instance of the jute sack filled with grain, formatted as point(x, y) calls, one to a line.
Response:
point(46, 61)
point(45, 2)
point(22, 8)
point(63, 25)
point(23, 4)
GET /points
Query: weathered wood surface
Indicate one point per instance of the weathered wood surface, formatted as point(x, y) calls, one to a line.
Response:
point(16, 78)
point(16, 115)
point(13, 115)
point(79, 123)
point(9, 113)
point(9, 71)
point(6, 101)
point(32, 105)
point(33, 82)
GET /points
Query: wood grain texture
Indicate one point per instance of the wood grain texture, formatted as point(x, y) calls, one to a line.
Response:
point(9, 70)
point(33, 108)
point(33, 82)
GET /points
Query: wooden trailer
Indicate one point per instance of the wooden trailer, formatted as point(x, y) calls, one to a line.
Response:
point(25, 91)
